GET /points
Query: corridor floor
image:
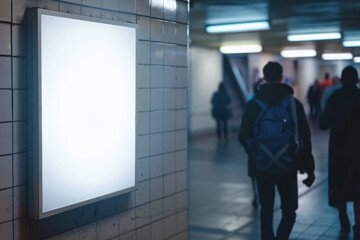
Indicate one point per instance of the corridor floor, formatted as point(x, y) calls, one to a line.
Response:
point(220, 194)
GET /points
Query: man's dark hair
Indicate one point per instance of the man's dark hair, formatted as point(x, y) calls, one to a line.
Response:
point(349, 76)
point(273, 72)
point(327, 75)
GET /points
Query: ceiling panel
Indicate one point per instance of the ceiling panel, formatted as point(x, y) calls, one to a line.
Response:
point(300, 16)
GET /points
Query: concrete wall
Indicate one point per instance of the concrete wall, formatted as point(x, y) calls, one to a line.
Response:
point(206, 74)
point(157, 208)
point(308, 71)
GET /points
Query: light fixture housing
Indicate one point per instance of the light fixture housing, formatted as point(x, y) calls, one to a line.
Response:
point(313, 36)
point(238, 27)
point(337, 56)
point(237, 49)
point(81, 143)
point(351, 43)
point(297, 53)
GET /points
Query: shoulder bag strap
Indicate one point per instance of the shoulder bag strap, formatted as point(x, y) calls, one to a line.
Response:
point(294, 117)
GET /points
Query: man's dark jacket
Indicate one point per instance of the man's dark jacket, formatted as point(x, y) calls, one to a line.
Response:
point(344, 175)
point(273, 93)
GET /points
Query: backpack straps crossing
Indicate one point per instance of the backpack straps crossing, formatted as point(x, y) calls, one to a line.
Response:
point(275, 158)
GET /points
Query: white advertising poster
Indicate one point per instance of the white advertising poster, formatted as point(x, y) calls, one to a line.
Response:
point(87, 110)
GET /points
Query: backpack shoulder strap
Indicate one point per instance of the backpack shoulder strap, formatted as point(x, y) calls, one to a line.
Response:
point(286, 101)
point(262, 104)
point(264, 109)
point(294, 117)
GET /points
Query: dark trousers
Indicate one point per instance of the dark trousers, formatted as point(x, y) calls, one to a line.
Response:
point(222, 122)
point(315, 110)
point(286, 185)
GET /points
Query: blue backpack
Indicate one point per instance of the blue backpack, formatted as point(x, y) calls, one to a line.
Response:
point(275, 137)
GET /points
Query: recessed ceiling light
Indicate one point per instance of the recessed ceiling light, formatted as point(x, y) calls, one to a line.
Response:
point(313, 36)
point(238, 27)
point(357, 59)
point(337, 56)
point(298, 53)
point(351, 43)
point(233, 49)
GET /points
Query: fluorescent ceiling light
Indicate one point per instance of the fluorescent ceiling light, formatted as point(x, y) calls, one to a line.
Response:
point(337, 56)
point(351, 43)
point(233, 49)
point(298, 53)
point(314, 36)
point(357, 59)
point(238, 27)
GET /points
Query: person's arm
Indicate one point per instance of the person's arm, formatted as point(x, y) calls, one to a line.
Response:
point(307, 163)
point(247, 123)
point(246, 130)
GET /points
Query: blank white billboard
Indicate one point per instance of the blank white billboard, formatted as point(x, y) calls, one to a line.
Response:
point(87, 108)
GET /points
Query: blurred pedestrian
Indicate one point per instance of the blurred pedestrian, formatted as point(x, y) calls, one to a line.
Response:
point(313, 96)
point(326, 82)
point(221, 111)
point(330, 90)
point(277, 170)
point(342, 116)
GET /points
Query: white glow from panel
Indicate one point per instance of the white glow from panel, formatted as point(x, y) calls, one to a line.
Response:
point(337, 56)
point(234, 49)
point(313, 37)
point(298, 53)
point(238, 27)
point(351, 43)
point(87, 110)
point(169, 5)
point(357, 59)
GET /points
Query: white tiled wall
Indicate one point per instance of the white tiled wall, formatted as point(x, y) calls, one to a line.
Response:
point(6, 139)
point(6, 172)
point(157, 188)
point(5, 72)
point(5, 39)
point(156, 166)
point(5, 105)
point(157, 230)
point(158, 206)
point(157, 209)
point(6, 230)
point(5, 10)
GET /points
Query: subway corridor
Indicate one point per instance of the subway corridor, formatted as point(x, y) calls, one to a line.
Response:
point(220, 195)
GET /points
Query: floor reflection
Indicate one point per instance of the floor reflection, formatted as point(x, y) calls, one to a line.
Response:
point(220, 195)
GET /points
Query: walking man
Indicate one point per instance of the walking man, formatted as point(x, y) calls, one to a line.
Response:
point(277, 150)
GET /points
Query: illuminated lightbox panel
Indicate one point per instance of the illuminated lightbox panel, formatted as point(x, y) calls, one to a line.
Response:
point(81, 112)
